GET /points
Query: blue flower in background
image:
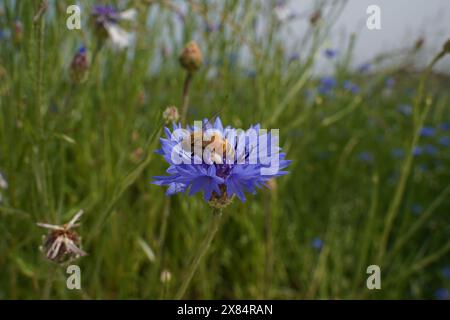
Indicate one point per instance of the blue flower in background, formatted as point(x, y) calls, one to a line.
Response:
point(417, 151)
point(390, 82)
point(427, 132)
point(326, 85)
point(405, 109)
point(351, 87)
point(398, 153)
point(441, 294)
point(364, 68)
point(446, 272)
point(444, 126)
point(330, 53)
point(444, 141)
point(294, 57)
point(365, 156)
point(416, 209)
point(317, 243)
point(431, 150)
point(212, 174)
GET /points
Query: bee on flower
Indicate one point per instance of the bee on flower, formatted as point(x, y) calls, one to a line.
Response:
point(220, 162)
point(62, 244)
point(106, 20)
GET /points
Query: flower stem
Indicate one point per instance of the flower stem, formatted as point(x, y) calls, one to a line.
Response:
point(212, 230)
point(185, 106)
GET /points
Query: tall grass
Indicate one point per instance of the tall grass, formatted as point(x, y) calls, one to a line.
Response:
point(64, 147)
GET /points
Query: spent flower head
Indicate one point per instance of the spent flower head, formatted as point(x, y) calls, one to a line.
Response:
point(171, 114)
point(106, 21)
point(62, 244)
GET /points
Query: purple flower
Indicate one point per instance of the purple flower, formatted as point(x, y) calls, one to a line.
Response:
point(446, 272)
point(364, 68)
point(441, 294)
point(417, 151)
point(220, 162)
point(427, 132)
point(294, 57)
point(444, 126)
point(351, 87)
point(326, 85)
point(430, 150)
point(398, 153)
point(390, 82)
point(317, 243)
point(365, 156)
point(444, 141)
point(330, 53)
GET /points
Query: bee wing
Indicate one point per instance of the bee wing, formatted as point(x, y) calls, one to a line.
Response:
point(74, 249)
point(72, 222)
point(49, 226)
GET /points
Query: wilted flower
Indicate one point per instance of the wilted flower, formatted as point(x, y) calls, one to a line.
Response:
point(219, 161)
point(62, 244)
point(171, 114)
point(191, 57)
point(79, 66)
point(106, 21)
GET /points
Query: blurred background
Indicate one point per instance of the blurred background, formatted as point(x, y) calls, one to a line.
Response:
point(364, 116)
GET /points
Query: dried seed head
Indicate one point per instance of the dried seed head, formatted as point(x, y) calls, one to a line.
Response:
point(62, 244)
point(171, 114)
point(191, 57)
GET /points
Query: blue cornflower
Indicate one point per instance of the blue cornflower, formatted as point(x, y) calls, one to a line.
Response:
point(430, 149)
point(351, 87)
point(416, 208)
point(427, 132)
point(364, 68)
point(398, 153)
point(331, 53)
point(326, 85)
point(294, 57)
point(220, 162)
point(417, 151)
point(317, 243)
point(444, 141)
point(365, 156)
point(405, 109)
point(446, 272)
point(444, 126)
point(106, 21)
point(441, 294)
point(389, 82)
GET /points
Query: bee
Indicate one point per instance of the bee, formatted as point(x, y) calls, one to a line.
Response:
point(62, 244)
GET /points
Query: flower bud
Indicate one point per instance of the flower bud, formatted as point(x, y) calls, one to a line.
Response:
point(447, 46)
point(191, 57)
point(17, 32)
point(171, 114)
point(166, 276)
point(79, 66)
point(315, 17)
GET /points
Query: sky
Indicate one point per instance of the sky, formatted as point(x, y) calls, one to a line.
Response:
point(402, 23)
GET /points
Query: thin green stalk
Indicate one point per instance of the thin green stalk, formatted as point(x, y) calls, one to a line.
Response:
point(419, 119)
point(212, 230)
point(186, 89)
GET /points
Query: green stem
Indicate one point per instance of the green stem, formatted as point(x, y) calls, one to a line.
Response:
point(185, 106)
point(212, 230)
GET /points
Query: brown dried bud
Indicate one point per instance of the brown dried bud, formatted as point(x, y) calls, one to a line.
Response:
point(171, 114)
point(79, 66)
point(419, 44)
point(191, 57)
point(447, 46)
point(315, 17)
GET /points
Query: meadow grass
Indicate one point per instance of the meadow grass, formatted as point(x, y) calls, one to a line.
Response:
point(366, 185)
